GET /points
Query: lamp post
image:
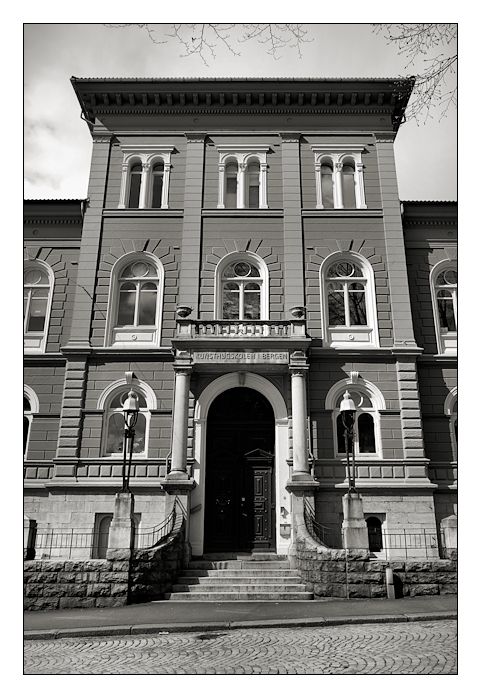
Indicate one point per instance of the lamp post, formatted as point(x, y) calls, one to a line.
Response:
point(348, 416)
point(131, 412)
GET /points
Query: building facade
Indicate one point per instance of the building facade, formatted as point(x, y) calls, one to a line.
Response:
point(241, 260)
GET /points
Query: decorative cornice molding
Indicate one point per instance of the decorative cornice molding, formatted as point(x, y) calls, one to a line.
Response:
point(52, 221)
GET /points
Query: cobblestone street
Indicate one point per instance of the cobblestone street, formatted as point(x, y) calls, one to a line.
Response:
point(427, 647)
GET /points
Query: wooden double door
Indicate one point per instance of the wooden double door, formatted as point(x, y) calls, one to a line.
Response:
point(240, 493)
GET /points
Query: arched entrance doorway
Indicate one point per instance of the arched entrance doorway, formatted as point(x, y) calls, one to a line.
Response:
point(239, 487)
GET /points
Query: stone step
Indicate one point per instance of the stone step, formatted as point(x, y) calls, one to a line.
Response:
point(240, 579)
point(245, 587)
point(238, 564)
point(242, 556)
point(240, 573)
point(239, 596)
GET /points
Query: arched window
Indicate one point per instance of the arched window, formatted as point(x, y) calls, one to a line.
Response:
point(242, 288)
point(451, 410)
point(374, 533)
point(37, 301)
point(30, 407)
point(327, 186)
point(348, 186)
point(231, 185)
point(113, 427)
point(135, 181)
point(253, 174)
point(157, 182)
point(243, 176)
point(349, 310)
point(367, 427)
point(444, 286)
point(135, 300)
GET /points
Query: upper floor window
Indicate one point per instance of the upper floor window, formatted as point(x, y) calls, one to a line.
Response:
point(37, 302)
point(451, 410)
point(135, 301)
point(242, 176)
point(444, 287)
point(367, 426)
point(30, 407)
point(339, 176)
point(242, 288)
point(145, 176)
point(348, 303)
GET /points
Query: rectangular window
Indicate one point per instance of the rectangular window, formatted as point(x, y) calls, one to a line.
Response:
point(38, 310)
point(134, 198)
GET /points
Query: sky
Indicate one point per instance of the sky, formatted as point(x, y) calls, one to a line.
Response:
point(57, 143)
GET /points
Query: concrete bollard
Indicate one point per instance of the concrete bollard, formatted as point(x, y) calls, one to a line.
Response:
point(391, 594)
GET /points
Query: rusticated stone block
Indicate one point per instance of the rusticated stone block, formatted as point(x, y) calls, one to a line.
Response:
point(116, 577)
point(34, 590)
point(378, 566)
point(97, 590)
point(355, 566)
point(415, 566)
point(332, 565)
point(75, 565)
point(448, 589)
point(97, 565)
point(75, 590)
point(378, 591)
point(118, 554)
point(322, 590)
point(50, 590)
point(76, 602)
point(423, 589)
point(111, 602)
point(359, 591)
point(41, 604)
point(445, 565)
point(44, 577)
point(67, 577)
point(120, 566)
point(53, 565)
point(119, 589)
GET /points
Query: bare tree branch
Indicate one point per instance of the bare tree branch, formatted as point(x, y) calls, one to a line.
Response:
point(415, 41)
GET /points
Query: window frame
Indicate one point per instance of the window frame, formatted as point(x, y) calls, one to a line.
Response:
point(32, 398)
point(262, 279)
point(244, 155)
point(35, 341)
point(140, 335)
point(349, 335)
point(336, 157)
point(147, 156)
point(104, 403)
point(447, 342)
point(378, 403)
point(450, 410)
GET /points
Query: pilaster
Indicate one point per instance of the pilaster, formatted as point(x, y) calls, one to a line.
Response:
point(294, 294)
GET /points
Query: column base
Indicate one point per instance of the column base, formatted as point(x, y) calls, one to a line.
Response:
point(354, 527)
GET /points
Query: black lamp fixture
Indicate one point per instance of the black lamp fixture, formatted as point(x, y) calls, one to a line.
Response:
point(348, 416)
point(131, 412)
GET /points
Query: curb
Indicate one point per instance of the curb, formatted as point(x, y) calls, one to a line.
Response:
point(164, 628)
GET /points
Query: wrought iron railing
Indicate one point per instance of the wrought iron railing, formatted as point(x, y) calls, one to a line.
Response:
point(240, 328)
point(322, 534)
point(67, 543)
point(408, 539)
point(154, 536)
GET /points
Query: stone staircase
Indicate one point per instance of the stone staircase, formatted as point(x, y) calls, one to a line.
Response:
point(239, 577)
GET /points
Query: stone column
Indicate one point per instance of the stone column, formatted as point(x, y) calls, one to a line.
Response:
point(338, 199)
point(121, 532)
point(178, 469)
point(300, 452)
point(354, 527)
point(144, 188)
point(241, 185)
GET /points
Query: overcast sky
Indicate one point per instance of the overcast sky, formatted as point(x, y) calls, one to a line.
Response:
point(58, 143)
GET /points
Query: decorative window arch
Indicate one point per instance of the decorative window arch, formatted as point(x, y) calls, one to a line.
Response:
point(30, 407)
point(348, 302)
point(135, 301)
point(451, 411)
point(145, 176)
point(38, 282)
point(242, 287)
point(339, 176)
point(243, 176)
point(111, 402)
point(444, 289)
point(367, 429)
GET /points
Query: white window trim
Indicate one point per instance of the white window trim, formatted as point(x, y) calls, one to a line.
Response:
point(449, 403)
point(34, 409)
point(114, 337)
point(342, 335)
point(243, 154)
point(447, 342)
point(104, 401)
point(36, 342)
point(378, 403)
point(264, 279)
point(336, 156)
point(147, 156)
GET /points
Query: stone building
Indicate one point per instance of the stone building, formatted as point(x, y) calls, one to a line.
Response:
point(241, 260)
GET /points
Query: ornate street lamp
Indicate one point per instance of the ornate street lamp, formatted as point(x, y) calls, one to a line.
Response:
point(131, 413)
point(348, 416)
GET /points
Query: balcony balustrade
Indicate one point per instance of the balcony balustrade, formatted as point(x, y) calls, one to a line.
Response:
point(250, 329)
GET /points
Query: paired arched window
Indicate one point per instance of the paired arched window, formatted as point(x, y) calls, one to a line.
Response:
point(242, 288)
point(135, 300)
point(444, 288)
point(339, 177)
point(367, 427)
point(242, 176)
point(145, 177)
point(37, 301)
point(112, 401)
point(348, 300)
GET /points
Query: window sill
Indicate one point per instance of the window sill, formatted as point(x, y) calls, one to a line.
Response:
point(340, 212)
point(243, 212)
point(142, 212)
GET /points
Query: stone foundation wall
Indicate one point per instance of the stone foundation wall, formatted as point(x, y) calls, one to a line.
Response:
point(57, 584)
point(125, 578)
point(327, 573)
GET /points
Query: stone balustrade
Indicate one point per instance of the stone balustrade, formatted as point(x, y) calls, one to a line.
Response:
point(272, 329)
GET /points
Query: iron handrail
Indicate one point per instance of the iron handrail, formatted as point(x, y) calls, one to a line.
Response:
point(319, 532)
